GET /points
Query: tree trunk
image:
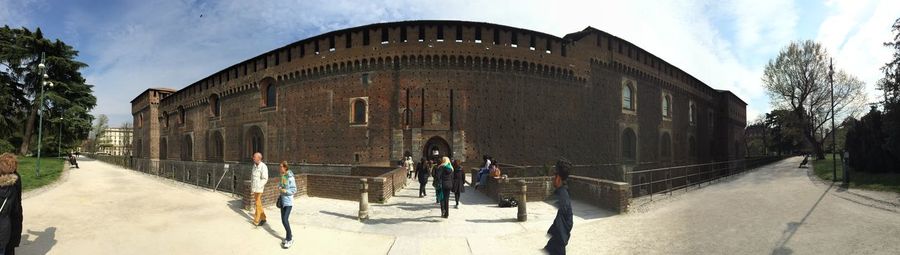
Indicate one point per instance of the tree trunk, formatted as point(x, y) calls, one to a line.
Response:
point(29, 130)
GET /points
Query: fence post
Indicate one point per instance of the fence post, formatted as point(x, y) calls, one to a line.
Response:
point(363, 199)
point(523, 212)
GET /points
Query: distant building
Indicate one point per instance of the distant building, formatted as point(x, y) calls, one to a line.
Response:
point(115, 141)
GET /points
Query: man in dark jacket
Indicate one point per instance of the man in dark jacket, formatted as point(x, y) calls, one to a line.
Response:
point(10, 204)
point(562, 225)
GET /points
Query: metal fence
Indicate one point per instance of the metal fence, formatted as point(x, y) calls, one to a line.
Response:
point(220, 176)
point(649, 182)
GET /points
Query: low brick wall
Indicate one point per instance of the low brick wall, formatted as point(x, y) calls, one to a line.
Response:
point(538, 188)
point(370, 171)
point(610, 195)
point(381, 188)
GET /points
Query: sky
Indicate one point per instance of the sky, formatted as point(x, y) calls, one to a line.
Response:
point(132, 45)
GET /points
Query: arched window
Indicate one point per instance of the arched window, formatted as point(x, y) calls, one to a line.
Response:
point(255, 142)
point(216, 147)
point(269, 94)
point(140, 120)
point(665, 146)
point(629, 145)
point(215, 105)
point(692, 147)
point(667, 106)
point(692, 113)
point(407, 116)
point(187, 148)
point(181, 115)
point(165, 119)
point(358, 108)
point(163, 149)
point(628, 96)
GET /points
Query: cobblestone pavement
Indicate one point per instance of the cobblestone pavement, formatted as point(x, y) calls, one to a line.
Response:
point(778, 209)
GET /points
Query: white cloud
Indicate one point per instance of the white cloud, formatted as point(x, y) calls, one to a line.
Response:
point(167, 43)
point(855, 34)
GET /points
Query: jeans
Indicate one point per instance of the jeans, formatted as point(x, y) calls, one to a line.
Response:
point(445, 203)
point(422, 189)
point(481, 174)
point(260, 213)
point(456, 194)
point(285, 213)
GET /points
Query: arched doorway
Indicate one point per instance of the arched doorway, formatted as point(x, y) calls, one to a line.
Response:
point(436, 147)
point(255, 142)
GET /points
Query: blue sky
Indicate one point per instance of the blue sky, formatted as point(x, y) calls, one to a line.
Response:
point(131, 45)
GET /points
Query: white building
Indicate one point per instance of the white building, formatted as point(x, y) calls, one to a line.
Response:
point(115, 141)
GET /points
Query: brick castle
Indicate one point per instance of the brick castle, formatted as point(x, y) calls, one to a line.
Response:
point(369, 94)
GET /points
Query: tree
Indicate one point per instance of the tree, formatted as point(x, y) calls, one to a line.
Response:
point(782, 134)
point(890, 86)
point(798, 80)
point(97, 134)
point(126, 138)
point(20, 54)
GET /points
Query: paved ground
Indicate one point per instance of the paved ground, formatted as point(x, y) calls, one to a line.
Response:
point(102, 209)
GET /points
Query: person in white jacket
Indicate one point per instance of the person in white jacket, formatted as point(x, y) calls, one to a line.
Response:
point(258, 177)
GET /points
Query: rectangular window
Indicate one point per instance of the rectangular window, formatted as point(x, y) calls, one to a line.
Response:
point(531, 42)
point(549, 46)
point(403, 34)
point(331, 43)
point(366, 37)
point(348, 41)
point(562, 49)
point(421, 33)
point(316, 47)
point(477, 34)
point(440, 33)
point(496, 36)
point(302, 50)
point(277, 58)
point(514, 39)
point(289, 53)
point(265, 61)
point(459, 34)
point(385, 36)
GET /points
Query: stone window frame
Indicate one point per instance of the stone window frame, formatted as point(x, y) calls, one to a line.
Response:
point(215, 105)
point(631, 85)
point(667, 112)
point(692, 113)
point(352, 116)
point(635, 144)
point(670, 157)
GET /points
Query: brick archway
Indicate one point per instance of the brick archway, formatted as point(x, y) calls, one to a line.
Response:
point(438, 144)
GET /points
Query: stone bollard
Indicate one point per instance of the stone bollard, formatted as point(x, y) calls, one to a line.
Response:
point(363, 199)
point(523, 212)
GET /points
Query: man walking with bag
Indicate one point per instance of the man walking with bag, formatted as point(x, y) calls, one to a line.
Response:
point(258, 177)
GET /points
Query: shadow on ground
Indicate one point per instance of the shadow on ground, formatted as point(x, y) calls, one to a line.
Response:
point(237, 206)
point(42, 243)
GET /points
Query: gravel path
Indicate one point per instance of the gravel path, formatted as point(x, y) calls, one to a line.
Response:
point(778, 209)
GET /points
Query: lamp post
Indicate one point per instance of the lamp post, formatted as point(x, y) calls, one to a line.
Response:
point(833, 131)
point(59, 139)
point(43, 74)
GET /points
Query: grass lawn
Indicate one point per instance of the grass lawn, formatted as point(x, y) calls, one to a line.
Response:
point(51, 168)
point(870, 181)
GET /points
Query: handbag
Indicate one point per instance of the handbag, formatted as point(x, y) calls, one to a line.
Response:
point(278, 203)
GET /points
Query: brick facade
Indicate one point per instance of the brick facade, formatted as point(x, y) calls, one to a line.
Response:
point(466, 88)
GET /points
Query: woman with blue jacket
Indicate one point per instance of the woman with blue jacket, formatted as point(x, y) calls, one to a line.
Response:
point(288, 186)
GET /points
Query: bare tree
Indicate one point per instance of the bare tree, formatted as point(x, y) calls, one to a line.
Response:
point(97, 132)
point(798, 80)
point(126, 138)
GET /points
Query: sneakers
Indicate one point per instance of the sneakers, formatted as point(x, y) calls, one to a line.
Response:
point(287, 243)
point(456, 206)
point(261, 222)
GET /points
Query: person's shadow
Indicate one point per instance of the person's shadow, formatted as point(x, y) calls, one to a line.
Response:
point(42, 243)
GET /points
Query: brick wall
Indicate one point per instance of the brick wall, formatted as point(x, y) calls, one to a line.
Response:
point(537, 188)
point(610, 195)
point(370, 171)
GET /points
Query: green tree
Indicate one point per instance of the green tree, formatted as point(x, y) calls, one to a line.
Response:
point(798, 80)
point(890, 86)
point(97, 134)
point(71, 98)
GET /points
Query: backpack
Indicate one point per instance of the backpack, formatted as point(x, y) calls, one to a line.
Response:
point(508, 202)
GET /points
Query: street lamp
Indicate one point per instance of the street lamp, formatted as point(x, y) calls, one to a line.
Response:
point(59, 139)
point(43, 71)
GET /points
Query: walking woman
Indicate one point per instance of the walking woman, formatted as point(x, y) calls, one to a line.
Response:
point(286, 201)
point(422, 176)
point(436, 183)
point(10, 204)
point(459, 181)
point(445, 176)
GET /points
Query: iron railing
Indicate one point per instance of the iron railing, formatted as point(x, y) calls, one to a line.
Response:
point(650, 182)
